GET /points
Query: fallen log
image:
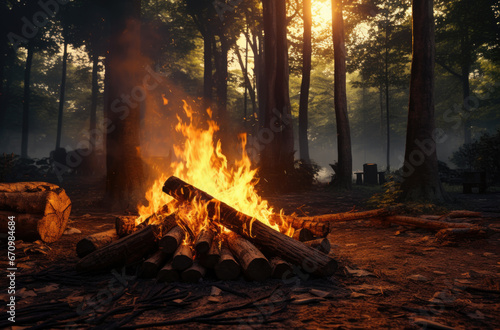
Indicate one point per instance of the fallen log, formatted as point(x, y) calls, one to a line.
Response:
point(303, 235)
point(125, 225)
point(94, 242)
point(320, 244)
point(204, 240)
point(255, 265)
point(453, 234)
point(194, 273)
point(125, 251)
point(153, 264)
point(172, 239)
point(462, 214)
point(183, 258)
point(346, 216)
point(270, 240)
point(227, 269)
point(423, 223)
point(280, 268)
point(168, 274)
point(40, 210)
point(211, 258)
point(316, 228)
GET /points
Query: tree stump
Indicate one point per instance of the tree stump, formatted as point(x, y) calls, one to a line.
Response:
point(41, 210)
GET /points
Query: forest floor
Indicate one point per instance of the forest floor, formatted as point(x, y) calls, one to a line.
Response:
point(388, 277)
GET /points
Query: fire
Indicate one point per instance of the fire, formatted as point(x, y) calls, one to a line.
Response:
point(202, 164)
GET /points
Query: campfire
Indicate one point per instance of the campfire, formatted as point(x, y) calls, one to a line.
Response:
point(208, 216)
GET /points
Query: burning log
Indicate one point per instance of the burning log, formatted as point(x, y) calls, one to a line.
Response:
point(280, 268)
point(171, 241)
point(211, 258)
point(203, 241)
point(41, 210)
point(125, 225)
point(125, 251)
point(183, 258)
point(320, 244)
point(194, 273)
point(151, 266)
point(227, 268)
point(255, 265)
point(423, 223)
point(168, 274)
point(94, 242)
point(303, 235)
point(317, 228)
point(264, 236)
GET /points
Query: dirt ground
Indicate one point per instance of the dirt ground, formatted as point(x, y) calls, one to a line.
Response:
point(389, 277)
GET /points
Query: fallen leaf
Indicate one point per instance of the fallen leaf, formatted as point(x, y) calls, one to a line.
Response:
point(438, 272)
point(428, 324)
point(48, 288)
point(215, 291)
point(442, 297)
point(320, 293)
point(24, 293)
point(418, 278)
point(358, 272)
point(477, 315)
point(71, 231)
point(214, 299)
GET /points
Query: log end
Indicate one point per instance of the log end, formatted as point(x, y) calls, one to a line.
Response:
point(227, 270)
point(258, 269)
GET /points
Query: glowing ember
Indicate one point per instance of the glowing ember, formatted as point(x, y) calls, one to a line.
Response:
point(202, 164)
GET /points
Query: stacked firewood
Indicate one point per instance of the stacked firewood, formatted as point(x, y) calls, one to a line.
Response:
point(170, 251)
point(167, 249)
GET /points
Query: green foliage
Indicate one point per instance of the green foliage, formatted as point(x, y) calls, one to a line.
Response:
point(481, 155)
point(389, 197)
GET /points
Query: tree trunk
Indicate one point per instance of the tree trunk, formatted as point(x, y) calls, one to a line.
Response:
point(276, 134)
point(207, 72)
point(386, 82)
point(93, 102)
point(26, 100)
point(420, 169)
point(125, 65)
point(304, 87)
point(343, 178)
point(248, 84)
point(62, 95)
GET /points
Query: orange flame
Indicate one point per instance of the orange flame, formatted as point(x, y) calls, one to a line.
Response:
point(202, 164)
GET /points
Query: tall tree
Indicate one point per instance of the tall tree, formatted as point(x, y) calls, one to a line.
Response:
point(62, 92)
point(276, 130)
point(306, 80)
point(343, 168)
point(381, 56)
point(26, 99)
point(468, 30)
point(124, 67)
point(420, 169)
